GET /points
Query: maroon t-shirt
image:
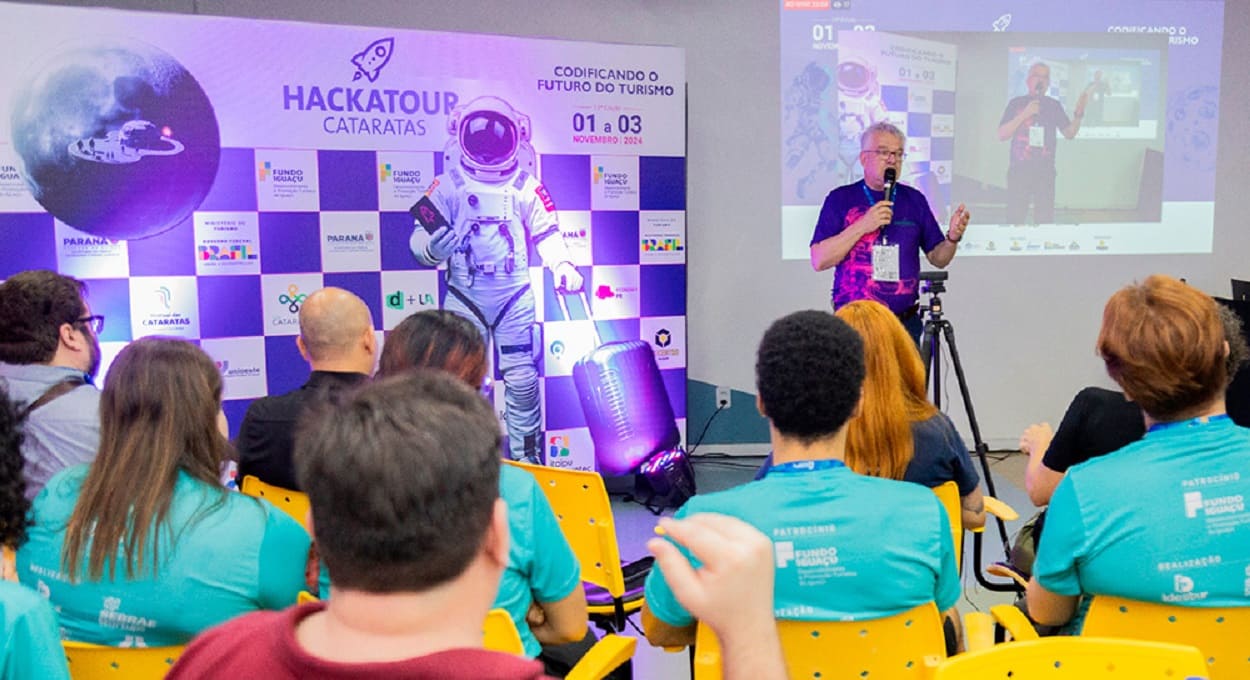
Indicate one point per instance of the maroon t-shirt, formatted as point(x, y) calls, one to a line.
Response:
point(262, 645)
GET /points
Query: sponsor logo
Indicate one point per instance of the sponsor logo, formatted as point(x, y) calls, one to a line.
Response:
point(617, 179)
point(557, 348)
point(557, 447)
point(398, 300)
point(164, 296)
point(606, 292)
point(292, 298)
point(363, 237)
point(663, 338)
point(237, 371)
point(662, 245)
point(370, 61)
point(387, 172)
point(1219, 505)
point(86, 241)
point(266, 172)
point(236, 253)
point(785, 553)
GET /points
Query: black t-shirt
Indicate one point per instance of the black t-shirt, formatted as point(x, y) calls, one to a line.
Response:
point(1098, 422)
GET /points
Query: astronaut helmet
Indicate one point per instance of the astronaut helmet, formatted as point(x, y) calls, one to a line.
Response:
point(489, 132)
point(858, 78)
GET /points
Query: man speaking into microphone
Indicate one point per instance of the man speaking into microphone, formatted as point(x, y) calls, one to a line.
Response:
point(873, 232)
point(1030, 122)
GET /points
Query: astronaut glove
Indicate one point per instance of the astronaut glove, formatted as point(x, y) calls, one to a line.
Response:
point(567, 278)
point(442, 244)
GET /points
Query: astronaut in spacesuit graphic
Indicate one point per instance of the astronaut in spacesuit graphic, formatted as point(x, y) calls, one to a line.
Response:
point(496, 209)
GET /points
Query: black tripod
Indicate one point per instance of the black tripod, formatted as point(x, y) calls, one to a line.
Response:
point(936, 328)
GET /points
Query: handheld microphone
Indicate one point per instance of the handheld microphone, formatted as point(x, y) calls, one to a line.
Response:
point(890, 176)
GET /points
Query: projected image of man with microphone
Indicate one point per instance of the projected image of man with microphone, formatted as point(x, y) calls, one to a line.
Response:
point(1030, 122)
point(873, 231)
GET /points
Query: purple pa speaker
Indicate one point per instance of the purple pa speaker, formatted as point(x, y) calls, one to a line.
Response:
point(625, 404)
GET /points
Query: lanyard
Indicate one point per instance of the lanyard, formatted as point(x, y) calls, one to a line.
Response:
point(807, 466)
point(868, 194)
point(1193, 422)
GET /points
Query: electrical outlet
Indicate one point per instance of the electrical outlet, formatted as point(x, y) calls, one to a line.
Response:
point(724, 396)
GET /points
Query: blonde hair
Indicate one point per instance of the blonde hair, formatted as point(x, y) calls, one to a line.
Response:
point(879, 440)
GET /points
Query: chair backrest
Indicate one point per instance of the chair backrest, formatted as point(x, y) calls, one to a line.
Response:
point(1080, 658)
point(892, 648)
point(293, 503)
point(948, 494)
point(499, 633)
point(100, 662)
point(580, 502)
point(1222, 633)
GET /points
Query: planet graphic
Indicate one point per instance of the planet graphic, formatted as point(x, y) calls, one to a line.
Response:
point(116, 139)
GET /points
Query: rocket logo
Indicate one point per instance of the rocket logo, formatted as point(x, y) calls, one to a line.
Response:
point(369, 61)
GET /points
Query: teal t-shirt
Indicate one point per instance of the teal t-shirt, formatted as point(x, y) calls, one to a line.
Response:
point(1163, 519)
point(541, 565)
point(230, 555)
point(847, 547)
point(32, 644)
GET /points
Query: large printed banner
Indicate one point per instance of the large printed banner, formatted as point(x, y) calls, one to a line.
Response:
point(204, 175)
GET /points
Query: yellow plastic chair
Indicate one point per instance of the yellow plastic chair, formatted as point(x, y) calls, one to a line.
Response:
point(1079, 658)
point(899, 647)
point(293, 503)
point(499, 634)
point(305, 597)
point(580, 502)
point(101, 662)
point(1222, 633)
point(948, 494)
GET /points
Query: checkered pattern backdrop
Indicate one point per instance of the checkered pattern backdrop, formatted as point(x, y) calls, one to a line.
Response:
point(233, 276)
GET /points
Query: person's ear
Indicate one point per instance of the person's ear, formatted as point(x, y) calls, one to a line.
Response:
point(495, 544)
point(70, 337)
point(759, 405)
point(303, 351)
point(371, 342)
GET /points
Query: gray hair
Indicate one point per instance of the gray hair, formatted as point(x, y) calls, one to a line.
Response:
point(883, 127)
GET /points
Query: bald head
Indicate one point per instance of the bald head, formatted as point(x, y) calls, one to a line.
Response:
point(333, 325)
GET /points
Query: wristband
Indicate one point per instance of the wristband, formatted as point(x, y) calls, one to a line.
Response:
point(953, 240)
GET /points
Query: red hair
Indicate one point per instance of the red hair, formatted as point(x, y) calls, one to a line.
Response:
point(1163, 343)
point(879, 440)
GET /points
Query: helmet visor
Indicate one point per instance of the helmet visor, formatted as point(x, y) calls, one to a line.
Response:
point(488, 137)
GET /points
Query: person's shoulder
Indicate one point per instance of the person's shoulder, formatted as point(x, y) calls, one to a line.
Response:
point(516, 486)
point(275, 406)
point(851, 190)
point(63, 487)
point(242, 641)
point(19, 602)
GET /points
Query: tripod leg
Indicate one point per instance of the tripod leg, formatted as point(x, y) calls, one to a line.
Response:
point(981, 447)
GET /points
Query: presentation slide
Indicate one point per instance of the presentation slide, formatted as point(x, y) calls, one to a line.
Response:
point(1063, 127)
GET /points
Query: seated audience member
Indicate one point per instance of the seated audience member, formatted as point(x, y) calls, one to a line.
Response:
point(898, 433)
point(417, 568)
point(32, 647)
point(893, 539)
point(144, 547)
point(336, 338)
point(1117, 521)
point(49, 353)
point(1098, 422)
point(725, 591)
point(543, 577)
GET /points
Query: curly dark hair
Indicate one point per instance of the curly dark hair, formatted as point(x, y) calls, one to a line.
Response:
point(809, 370)
point(33, 305)
point(13, 503)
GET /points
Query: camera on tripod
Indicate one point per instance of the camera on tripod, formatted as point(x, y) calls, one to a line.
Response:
point(934, 281)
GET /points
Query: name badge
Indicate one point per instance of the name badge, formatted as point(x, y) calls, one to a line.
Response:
point(885, 263)
point(1037, 136)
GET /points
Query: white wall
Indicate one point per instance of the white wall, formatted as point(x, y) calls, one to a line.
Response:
point(1025, 326)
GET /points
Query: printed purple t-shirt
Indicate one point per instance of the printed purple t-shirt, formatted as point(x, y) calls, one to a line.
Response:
point(912, 229)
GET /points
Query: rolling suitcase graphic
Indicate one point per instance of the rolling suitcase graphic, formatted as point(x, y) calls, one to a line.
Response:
point(624, 401)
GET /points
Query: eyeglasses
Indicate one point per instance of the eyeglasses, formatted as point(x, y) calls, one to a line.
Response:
point(95, 322)
point(887, 154)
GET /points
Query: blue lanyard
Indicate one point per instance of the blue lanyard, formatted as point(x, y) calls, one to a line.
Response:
point(867, 194)
point(1192, 422)
point(807, 466)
